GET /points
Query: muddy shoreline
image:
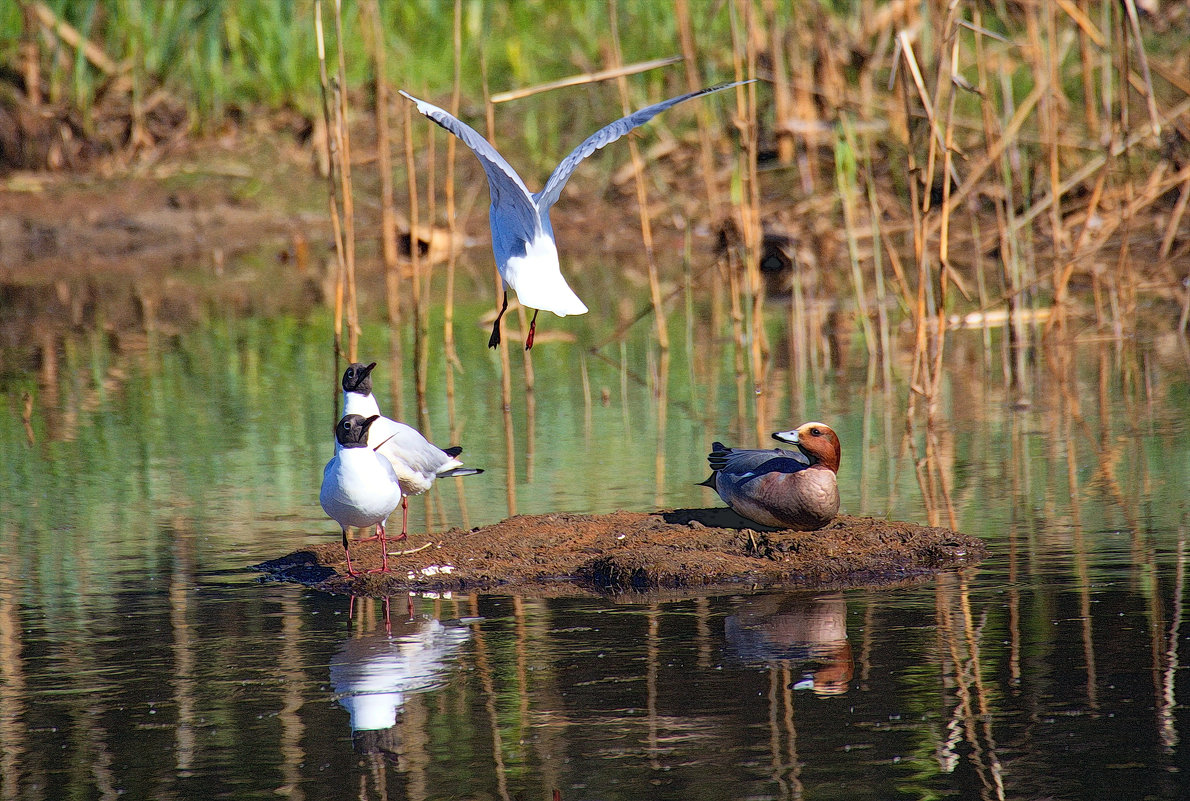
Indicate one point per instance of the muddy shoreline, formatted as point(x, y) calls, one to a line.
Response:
point(635, 552)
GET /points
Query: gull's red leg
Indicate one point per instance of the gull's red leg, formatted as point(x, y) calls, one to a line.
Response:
point(404, 519)
point(532, 330)
point(383, 550)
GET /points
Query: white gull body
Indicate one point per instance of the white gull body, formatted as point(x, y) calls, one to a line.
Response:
point(359, 486)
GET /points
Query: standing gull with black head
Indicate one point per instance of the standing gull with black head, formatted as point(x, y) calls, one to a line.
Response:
point(417, 461)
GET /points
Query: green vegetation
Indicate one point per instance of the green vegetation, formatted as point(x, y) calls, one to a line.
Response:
point(216, 56)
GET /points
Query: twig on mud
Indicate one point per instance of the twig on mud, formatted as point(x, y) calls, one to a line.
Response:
point(411, 550)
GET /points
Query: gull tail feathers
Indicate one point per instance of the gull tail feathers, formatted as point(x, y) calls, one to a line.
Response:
point(459, 472)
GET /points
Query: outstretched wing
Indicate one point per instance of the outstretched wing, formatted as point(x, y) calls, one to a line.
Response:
point(501, 176)
point(605, 136)
point(513, 216)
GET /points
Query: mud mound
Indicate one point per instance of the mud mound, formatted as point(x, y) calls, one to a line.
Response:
point(635, 552)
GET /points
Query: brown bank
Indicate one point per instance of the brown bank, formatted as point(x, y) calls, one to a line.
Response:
point(682, 549)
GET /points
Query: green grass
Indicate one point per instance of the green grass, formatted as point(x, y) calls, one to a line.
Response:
point(216, 54)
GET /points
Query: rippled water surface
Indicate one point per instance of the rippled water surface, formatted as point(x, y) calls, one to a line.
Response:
point(149, 458)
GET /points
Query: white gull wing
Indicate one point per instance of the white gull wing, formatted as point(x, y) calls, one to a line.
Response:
point(514, 217)
point(416, 460)
point(493, 163)
point(605, 136)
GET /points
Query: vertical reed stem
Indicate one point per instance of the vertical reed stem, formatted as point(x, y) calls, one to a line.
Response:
point(343, 135)
point(332, 196)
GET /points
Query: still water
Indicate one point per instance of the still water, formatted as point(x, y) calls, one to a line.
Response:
point(153, 448)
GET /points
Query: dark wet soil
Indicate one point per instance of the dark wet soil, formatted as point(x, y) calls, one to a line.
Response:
point(635, 552)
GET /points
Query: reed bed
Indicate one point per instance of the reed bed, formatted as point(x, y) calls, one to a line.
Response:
point(911, 167)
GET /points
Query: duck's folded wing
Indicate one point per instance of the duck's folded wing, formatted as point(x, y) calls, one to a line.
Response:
point(744, 465)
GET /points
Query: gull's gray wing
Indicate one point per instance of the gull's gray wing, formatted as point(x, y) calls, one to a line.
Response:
point(605, 136)
point(514, 217)
point(500, 173)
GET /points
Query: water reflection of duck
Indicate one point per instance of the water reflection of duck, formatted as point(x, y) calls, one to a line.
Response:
point(807, 630)
point(371, 676)
point(778, 487)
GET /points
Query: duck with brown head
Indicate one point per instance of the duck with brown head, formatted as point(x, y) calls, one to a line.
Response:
point(781, 488)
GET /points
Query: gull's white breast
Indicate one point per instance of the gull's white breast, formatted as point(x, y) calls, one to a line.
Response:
point(538, 280)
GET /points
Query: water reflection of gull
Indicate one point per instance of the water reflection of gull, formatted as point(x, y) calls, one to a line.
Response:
point(809, 630)
point(372, 674)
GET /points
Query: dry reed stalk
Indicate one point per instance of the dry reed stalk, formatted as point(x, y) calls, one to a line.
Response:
point(1067, 268)
point(1001, 205)
point(715, 203)
point(585, 78)
point(483, 667)
point(373, 28)
point(706, 156)
point(782, 93)
point(343, 139)
point(448, 312)
point(502, 348)
point(28, 56)
point(370, 23)
point(845, 181)
point(530, 378)
point(1175, 221)
point(948, 75)
point(917, 304)
point(661, 397)
point(588, 416)
point(799, 347)
point(419, 322)
point(744, 57)
point(1051, 123)
point(878, 238)
point(332, 195)
point(1138, 40)
point(642, 191)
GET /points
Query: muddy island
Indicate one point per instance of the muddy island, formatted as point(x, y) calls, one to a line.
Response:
point(568, 554)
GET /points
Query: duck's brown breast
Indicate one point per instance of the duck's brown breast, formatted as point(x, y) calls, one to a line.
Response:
point(806, 500)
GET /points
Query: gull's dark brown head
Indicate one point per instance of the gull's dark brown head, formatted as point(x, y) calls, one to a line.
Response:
point(352, 430)
point(358, 378)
